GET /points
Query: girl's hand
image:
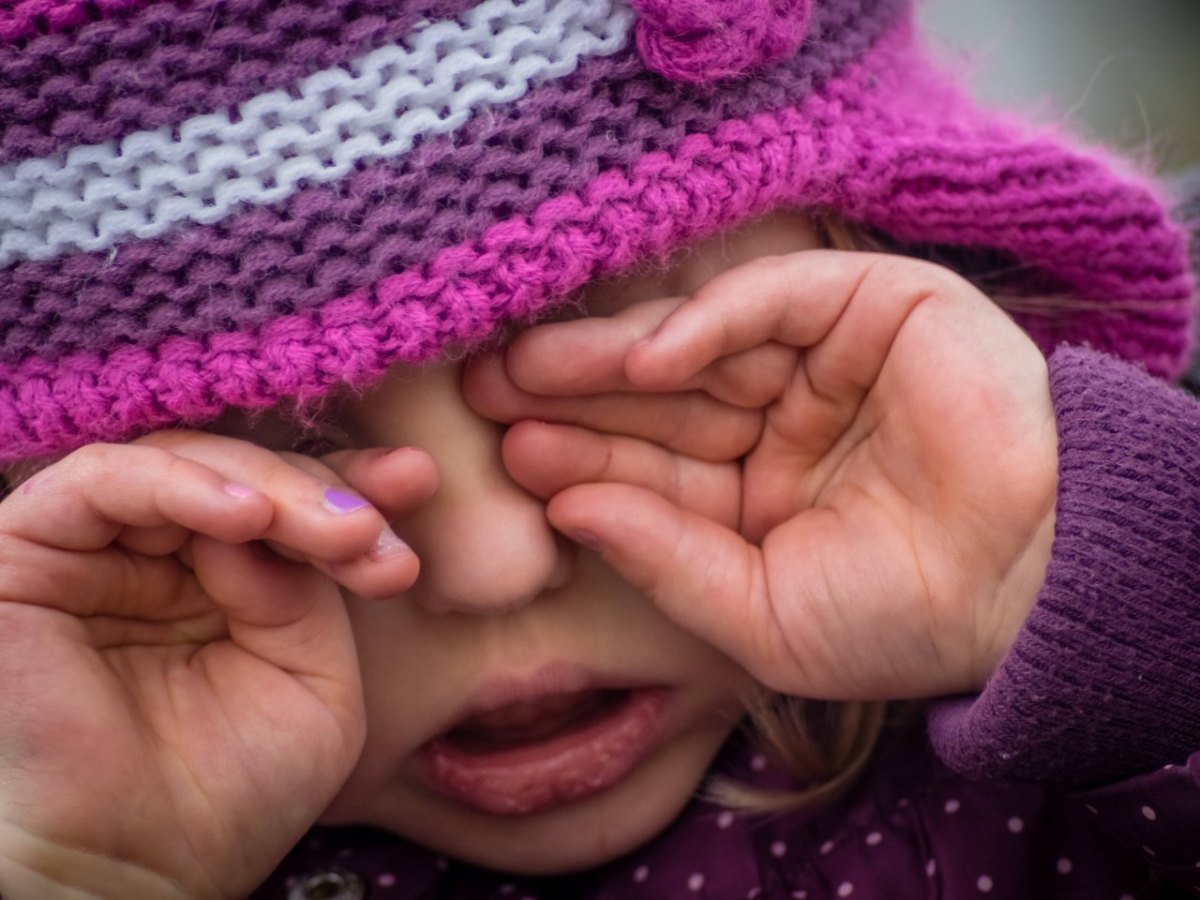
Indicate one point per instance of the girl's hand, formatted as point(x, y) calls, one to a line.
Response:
point(840, 468)
point(180, 703)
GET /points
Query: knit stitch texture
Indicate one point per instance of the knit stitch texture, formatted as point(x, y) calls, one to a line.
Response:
point(305, 193)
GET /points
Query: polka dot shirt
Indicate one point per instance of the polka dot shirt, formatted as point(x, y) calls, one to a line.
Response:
point(912, 829)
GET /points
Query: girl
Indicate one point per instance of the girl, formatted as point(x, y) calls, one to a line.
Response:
point(295, 536)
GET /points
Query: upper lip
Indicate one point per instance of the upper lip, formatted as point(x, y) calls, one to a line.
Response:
point(550, 680)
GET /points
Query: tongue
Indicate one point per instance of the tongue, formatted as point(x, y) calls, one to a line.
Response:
point(528, 722)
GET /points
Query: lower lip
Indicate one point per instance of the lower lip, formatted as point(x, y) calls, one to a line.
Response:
point(521, 781)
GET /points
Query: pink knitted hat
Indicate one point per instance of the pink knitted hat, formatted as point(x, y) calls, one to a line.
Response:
point(206, 203)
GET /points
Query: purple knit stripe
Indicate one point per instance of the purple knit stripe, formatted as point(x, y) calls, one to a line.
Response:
point(710, 182)
point(27, 18)
point(172, 60)
point(327, 241)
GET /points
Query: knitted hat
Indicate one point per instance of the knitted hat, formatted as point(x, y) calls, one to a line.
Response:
point(206, 203)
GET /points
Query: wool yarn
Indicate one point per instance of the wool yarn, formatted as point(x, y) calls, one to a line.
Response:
point(214, 203)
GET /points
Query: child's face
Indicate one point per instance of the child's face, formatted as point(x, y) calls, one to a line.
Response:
point(590, 718)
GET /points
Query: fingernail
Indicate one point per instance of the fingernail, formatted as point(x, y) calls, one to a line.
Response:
point(586, 538)
point(241, 491)
point(342, 502)
point(388, 544)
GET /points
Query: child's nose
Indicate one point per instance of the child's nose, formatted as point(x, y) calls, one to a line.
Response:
point(485, 548)
point(484, 543)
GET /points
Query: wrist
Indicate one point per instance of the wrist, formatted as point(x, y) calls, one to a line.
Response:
point(33, 868)
point(1015, 598)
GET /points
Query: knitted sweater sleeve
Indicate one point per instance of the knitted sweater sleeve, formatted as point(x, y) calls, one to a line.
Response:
point(1103, 682)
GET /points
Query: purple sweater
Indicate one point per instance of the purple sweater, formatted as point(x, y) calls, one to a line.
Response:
point(1075, 773)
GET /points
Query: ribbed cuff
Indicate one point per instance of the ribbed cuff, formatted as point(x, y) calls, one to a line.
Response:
point(1103, 681)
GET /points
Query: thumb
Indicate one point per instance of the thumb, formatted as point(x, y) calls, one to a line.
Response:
point(286, 614)
point(705, 577)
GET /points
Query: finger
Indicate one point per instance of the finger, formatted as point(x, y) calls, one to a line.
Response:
point(690, 422)
point(161, 540)
point(851, 304)
point(84, 501)
point(394, 480)
point(109, 581)
point(584, 356)
point(703, 576)
point(587, 356)
point(546, 459)
point(314, 513)
point(289, 615)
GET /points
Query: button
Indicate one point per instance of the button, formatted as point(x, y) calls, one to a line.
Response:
point(329, 884)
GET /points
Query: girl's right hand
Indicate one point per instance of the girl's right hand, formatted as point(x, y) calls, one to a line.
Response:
point(179, 702)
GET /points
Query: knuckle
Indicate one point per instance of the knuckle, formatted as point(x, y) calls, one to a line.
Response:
point(912, 278)
point(95, 458)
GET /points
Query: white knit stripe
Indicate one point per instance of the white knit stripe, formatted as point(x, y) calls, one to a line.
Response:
point(376, 107)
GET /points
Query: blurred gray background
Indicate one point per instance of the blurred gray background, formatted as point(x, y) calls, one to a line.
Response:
point(1124, 71)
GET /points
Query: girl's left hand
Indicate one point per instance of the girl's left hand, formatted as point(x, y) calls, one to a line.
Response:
point(839, 468)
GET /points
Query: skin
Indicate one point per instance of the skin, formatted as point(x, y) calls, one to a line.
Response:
point(828, 473)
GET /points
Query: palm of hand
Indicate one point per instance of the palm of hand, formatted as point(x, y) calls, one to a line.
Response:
point(151, 714)
point(892, 450)
point(894, 525)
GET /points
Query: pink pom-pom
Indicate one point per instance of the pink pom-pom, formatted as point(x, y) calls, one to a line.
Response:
point(697, 41)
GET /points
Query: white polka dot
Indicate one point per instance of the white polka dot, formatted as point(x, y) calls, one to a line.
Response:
point(641, 873)
point(778, 849)
point(1016, 825)
point(1149, 813)
point(1091, 809)
point(754, 893)
point(386, 880)
point(758, 762)
point(985, 884)
point(1147, 851)
point(725, 819)
point(952, 806)
point(845, 889)
point(799, 895)
point(874, 839)
point(695, 882)
point(931, 868)
point(1064, 866)
point(826, 848)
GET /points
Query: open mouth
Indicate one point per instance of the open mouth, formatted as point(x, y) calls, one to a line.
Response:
point(531, 755)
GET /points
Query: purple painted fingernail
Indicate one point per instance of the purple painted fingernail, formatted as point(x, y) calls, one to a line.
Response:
point(342, 502)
